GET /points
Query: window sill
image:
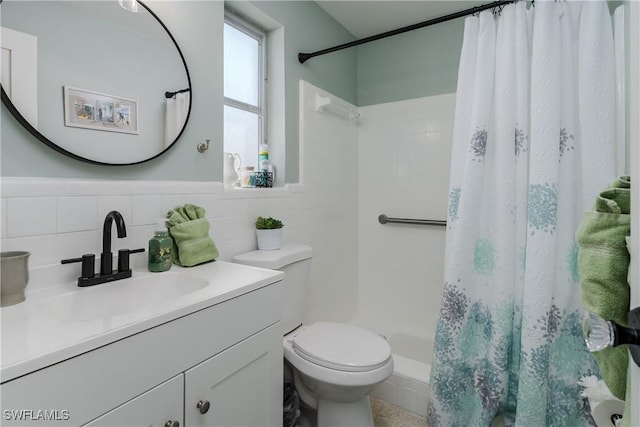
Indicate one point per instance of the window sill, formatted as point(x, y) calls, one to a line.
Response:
point(258, 193)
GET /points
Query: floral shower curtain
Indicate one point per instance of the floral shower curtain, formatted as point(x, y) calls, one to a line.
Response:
point(533, 144)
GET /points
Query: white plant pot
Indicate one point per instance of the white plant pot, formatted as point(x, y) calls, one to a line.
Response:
point(269, 240)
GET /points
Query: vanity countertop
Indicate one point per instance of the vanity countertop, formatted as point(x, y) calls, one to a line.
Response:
point(57, 323)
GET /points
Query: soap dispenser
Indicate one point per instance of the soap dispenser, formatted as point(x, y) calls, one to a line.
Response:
point(160, 249)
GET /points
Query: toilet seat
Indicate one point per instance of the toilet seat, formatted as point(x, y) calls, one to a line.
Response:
point(342, 347)
point(336, 377)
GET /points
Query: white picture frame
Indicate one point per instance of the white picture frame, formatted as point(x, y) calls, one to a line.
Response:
point(89, 109)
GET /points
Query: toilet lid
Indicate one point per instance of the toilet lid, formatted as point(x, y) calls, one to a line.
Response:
point(342, 347)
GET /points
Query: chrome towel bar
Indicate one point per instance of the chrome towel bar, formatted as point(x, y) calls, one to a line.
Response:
point(383, 219)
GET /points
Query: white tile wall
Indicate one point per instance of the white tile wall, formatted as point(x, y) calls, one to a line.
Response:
point(31, 216)
point(403, 172)
point(56, 219)
point(77, 214)
point(147, 210)
point(330, 178)
point(404, 156)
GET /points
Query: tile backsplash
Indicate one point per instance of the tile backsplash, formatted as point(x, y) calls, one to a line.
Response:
point(56, 219)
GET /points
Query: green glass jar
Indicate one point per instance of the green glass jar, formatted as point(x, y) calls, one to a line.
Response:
point(160, 251)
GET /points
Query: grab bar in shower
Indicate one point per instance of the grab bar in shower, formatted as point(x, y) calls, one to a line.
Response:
point(383, 219)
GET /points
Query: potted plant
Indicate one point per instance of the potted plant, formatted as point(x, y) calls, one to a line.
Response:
point(269, 233)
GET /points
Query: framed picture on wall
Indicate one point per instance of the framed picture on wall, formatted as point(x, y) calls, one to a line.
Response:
point(99, 111)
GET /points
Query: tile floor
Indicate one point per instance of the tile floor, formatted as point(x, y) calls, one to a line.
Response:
point(387, 415)
point(384, 413)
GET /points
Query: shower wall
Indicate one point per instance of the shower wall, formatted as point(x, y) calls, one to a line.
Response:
point(387, 278)
point(403, 171)
point(393, 160)
point(329, 176)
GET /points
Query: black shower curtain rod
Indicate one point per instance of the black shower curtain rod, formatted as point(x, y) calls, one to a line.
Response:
point(303, 57)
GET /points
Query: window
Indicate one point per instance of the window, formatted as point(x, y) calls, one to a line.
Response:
point(244, 89)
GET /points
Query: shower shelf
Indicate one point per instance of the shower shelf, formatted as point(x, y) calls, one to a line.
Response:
point(335, 106)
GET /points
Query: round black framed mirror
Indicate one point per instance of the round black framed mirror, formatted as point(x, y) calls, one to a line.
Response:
point(93, 80)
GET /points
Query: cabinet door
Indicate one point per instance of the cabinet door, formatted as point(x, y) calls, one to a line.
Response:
point(241, 386)
point(161, 406)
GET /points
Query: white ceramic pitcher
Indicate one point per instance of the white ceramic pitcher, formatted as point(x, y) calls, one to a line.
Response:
point(231, 168)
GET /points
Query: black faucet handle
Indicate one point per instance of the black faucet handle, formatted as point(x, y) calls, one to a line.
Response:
point(88, 265)
point(123, 258)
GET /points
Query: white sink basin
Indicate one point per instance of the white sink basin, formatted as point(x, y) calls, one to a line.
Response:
point(122, 297)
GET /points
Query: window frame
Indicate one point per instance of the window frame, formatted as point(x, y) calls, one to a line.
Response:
point(242, 25)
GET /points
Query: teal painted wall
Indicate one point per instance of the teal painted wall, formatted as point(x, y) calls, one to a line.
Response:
point(198, 30)
point(198, 27)
point(419, 63)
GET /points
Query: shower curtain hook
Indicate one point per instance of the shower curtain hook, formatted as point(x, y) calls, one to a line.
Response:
point(497, 10)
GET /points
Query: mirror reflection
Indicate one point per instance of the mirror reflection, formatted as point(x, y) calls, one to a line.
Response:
point(94, 80)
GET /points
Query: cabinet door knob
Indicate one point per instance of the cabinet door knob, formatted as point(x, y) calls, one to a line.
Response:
point(172, 424)
point(203, 406)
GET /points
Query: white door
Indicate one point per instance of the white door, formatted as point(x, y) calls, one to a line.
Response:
point(19, 59)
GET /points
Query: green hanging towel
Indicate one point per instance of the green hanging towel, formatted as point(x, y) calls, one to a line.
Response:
point(189, 229)
point(603, 264)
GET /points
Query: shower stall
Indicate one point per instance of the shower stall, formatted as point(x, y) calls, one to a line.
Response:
point(393, 159)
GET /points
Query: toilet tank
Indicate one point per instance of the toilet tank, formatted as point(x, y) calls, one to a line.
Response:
point(294, 260)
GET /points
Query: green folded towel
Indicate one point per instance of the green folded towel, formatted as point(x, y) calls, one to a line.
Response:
point(603, 264)
point(175, 217)
point(189, 229)
point(194, 212)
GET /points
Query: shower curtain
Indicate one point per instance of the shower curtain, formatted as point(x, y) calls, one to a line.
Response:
point(533, 144)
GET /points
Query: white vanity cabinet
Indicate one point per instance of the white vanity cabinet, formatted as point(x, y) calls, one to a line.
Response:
point(228, 354)
point(159, 407)
point(235, 387)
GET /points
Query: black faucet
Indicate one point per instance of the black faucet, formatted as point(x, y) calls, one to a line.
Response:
point(106, 258)
point(88, 277)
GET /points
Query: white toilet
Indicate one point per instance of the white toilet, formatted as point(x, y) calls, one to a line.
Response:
point(335, 365)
